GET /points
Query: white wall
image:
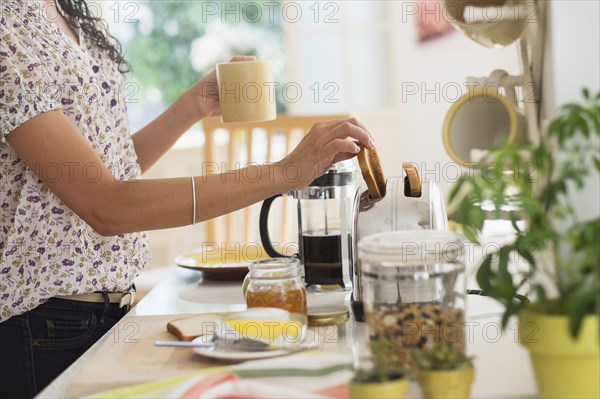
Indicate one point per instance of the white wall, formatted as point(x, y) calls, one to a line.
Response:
point(410, 129)
point(575, 48)
point(574, 51)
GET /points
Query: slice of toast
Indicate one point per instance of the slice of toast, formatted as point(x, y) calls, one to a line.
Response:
point(412, 181)
point(370, 167)
point(188, 328)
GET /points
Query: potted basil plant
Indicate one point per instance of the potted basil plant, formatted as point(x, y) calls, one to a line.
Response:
point(443, 371)
point(532, 185)
point(384, 379)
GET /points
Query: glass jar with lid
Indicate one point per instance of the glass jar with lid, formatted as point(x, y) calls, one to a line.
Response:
point(276, 283)
point(414, 290)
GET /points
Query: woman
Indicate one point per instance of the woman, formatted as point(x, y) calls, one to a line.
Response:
point(73, 209)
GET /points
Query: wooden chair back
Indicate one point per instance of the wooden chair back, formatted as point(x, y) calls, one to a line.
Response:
point(232, 146)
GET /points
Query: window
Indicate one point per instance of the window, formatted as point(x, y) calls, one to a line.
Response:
point(328, 56)
point(339, 55)
point(171, 44)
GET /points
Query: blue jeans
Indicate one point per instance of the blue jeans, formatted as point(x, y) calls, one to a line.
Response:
point(37, 346)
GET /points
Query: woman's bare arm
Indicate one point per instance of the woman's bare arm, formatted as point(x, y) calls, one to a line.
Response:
point(199, 101)
point(156, 138)
point(114, 207)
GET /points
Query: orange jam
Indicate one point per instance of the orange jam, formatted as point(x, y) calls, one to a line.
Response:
point(292, 299)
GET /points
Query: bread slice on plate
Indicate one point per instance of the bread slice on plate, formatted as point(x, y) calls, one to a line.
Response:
point(188, 328)
point(370, 167)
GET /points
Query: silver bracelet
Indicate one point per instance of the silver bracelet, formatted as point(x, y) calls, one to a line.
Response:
point(193, 200)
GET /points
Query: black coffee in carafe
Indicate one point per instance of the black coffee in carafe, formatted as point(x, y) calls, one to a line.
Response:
point(323, 258)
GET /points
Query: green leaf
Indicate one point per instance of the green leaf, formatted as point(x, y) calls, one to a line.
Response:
point(508, 313)
point(441, 356)
point(471, 233)
point(484, 273)
point(586, 93)
point(504, 283)
point(524, 250)
point(456, 189)
point(580, 306)
point(584, 127)
point(542, 300)
point(513, 222)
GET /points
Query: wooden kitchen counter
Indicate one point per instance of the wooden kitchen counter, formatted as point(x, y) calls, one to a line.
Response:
point(127, 355)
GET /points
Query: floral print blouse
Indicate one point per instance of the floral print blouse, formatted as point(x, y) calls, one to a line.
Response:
point(46, 250)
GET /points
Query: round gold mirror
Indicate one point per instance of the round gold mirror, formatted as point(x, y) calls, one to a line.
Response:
point(477, 121)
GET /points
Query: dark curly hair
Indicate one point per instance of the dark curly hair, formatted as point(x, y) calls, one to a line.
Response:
point(77, 12)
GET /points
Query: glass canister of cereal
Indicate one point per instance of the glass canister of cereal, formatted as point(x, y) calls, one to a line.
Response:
point(276, 283)
point(414, 291)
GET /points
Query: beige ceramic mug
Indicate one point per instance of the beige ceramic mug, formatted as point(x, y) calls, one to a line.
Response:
point(246, 91)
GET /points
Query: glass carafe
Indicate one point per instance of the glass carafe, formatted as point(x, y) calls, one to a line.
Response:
point(325, 216)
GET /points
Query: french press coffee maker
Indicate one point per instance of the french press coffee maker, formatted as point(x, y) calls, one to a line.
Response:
point(325, 217)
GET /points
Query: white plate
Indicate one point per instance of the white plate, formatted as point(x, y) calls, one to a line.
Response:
point(310, 341)
point(228, 266)
point(230, 355)
point(222, 271)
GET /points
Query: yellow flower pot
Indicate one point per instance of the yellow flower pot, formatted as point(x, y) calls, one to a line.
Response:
point(395, 389)
point(442, 384)
point(563, 367)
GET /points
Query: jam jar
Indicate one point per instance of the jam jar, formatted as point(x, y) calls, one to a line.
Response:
point(276, 283)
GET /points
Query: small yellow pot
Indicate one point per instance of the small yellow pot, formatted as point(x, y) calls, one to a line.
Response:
point(395, 389)
point(563, 367)
point(442, 384)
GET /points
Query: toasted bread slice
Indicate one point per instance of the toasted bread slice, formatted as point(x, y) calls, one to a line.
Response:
point(370, 167)
point(412, 181)
point(188, 328)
